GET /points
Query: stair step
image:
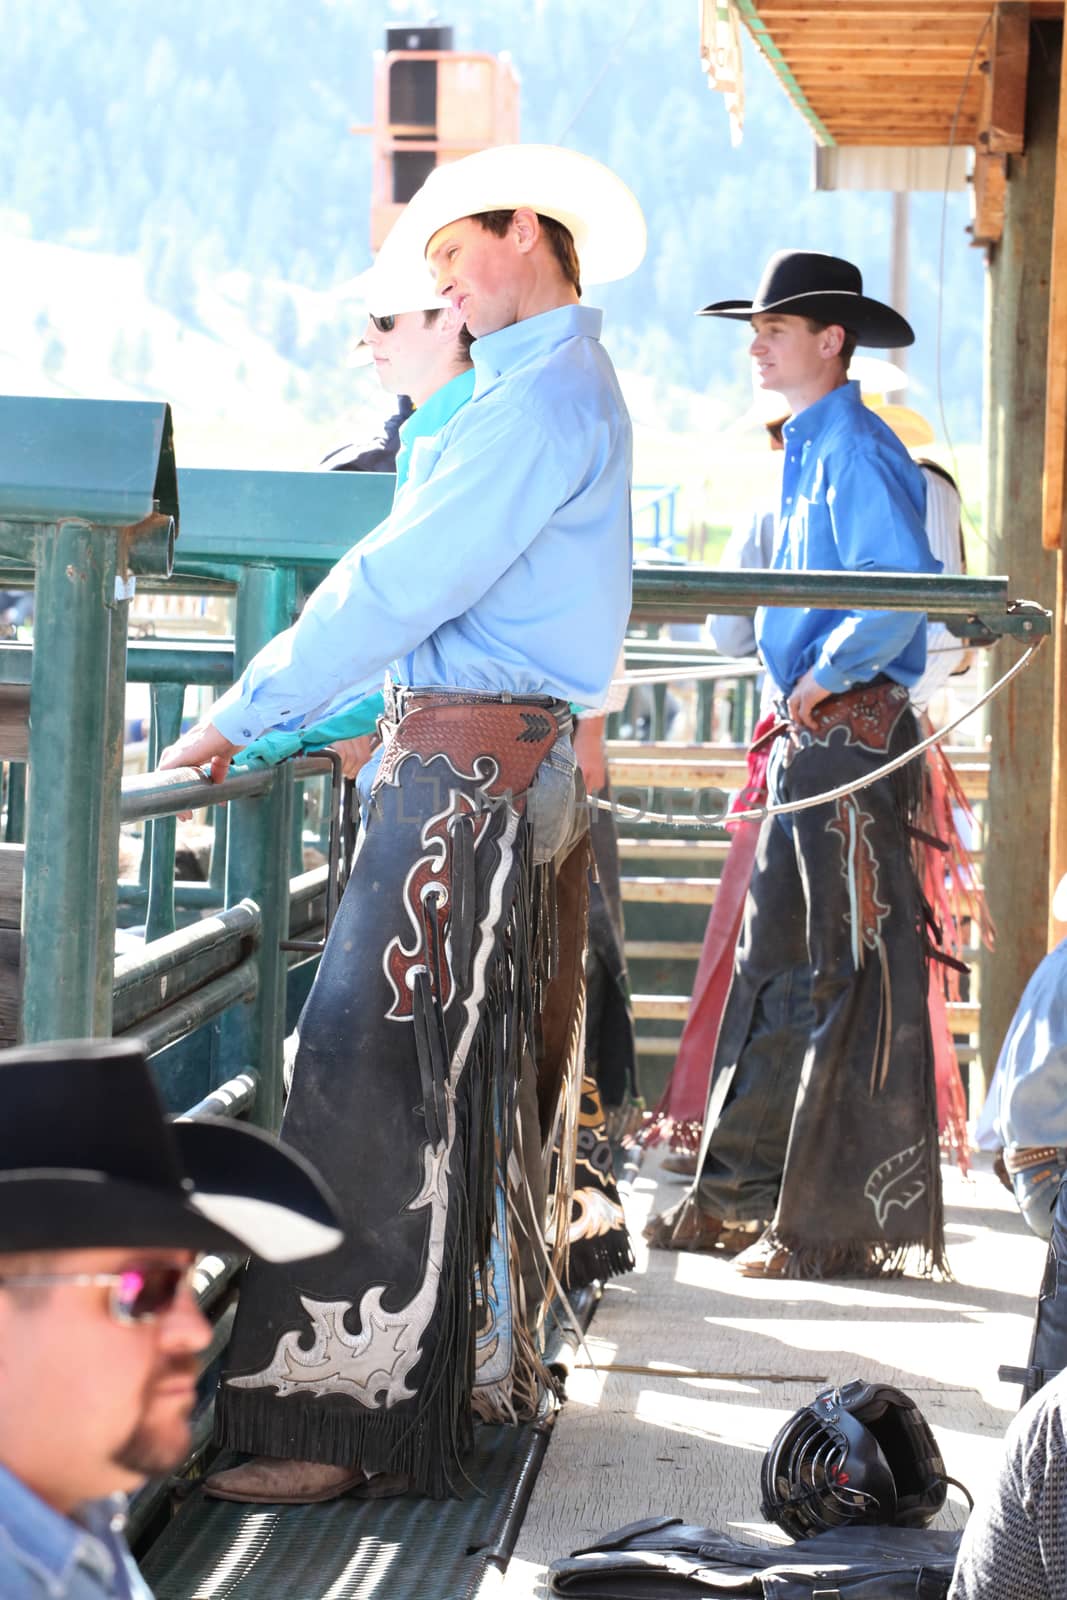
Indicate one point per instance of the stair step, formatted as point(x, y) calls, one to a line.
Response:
point(658, 1047)
point(662, 950)
point(671, 891)
point(673, 849)
point(661, 1007)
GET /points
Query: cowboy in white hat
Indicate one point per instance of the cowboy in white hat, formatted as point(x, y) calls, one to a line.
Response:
point(103, 1206)
point(820, 1157)
point(497, 591)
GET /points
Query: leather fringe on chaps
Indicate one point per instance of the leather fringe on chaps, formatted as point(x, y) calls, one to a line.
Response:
point(406, 1077)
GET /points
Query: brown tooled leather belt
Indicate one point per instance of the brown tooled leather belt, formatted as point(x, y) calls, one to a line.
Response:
point(1022, 1159)
point(514, 733)
point(399, 701)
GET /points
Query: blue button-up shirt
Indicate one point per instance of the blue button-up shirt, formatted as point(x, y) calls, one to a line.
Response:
point(505, 564)
point(1027, 1100)
point(852, 500)
point(46, 1556)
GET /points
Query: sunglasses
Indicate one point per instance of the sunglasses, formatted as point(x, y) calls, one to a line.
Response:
point(383, 324)
point(140, 1294)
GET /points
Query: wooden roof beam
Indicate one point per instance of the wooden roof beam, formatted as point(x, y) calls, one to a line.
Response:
point(904, 66)
point(948, 38)
point(1003, 117)
point(901, 101)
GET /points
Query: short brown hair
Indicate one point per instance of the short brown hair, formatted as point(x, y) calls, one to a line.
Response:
point(465, 337)
point(848, 348)
point(560, 238)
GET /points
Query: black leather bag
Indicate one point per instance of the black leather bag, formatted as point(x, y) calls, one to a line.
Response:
point(666, 1559)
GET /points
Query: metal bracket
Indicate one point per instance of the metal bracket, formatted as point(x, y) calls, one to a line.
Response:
point(1022, 619)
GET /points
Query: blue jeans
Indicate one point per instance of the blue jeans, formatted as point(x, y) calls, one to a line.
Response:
point(1035, 1192)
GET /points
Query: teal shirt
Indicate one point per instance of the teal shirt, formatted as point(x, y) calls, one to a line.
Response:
point(350, 722)
point(430, 418)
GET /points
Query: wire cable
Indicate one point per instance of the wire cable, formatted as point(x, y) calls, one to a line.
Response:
point(760, 813)
point(941, 273)
point(608, 62)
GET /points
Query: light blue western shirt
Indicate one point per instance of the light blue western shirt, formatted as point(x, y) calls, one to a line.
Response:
point(353, 718)
point(505, 564)
point(46, 1556)
point(1027, 1100)
point(852, 500)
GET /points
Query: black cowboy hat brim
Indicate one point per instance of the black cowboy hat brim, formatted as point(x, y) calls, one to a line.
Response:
point(244, 1193)
point(262, 1192)
point(875, 325)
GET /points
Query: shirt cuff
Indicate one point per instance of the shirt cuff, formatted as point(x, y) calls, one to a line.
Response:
point(830, 678)
point(235, 719)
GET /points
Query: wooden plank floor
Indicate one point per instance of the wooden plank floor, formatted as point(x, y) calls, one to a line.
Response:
point(697, 1368)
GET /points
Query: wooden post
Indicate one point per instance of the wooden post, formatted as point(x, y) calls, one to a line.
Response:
point(1020, 720)
point(1053, 504)
point(1054, 478)
point(1057, 861)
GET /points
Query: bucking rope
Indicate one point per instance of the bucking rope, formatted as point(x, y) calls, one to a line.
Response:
point(759, 813)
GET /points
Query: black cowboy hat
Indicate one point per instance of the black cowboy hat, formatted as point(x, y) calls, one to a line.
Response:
point(88, 1161)
point(806, 283)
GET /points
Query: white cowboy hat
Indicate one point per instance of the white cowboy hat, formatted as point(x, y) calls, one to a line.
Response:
point(601, 212)
point(399, 281)
point(876, 376)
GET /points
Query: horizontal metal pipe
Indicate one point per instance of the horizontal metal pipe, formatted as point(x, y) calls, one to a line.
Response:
point(164, 794)
point(181, 963)
point(188, 896)
point(230, 1099)
point(211, 1276)
point(180, 661)
point(719, 589)
point(195, 1009)
point(308, 886)
point(165, 955)
point(150, 547)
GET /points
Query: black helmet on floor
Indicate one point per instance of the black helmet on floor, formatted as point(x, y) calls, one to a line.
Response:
point(860, 1453)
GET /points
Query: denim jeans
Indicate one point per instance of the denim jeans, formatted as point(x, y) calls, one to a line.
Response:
point(1035, 1192)
point(551, 799)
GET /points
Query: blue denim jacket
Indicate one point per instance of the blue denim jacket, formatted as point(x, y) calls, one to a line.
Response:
point(46, 1556)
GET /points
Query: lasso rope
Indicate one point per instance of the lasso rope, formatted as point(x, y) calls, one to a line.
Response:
point(759, 813)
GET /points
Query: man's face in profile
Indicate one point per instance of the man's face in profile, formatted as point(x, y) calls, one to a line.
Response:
point(478, 272)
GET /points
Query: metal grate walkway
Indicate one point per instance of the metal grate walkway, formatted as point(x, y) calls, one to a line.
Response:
point(402, 1549)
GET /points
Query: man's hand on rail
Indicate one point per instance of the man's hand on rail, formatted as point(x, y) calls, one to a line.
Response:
point(805, 697)
point(202, 746)
point(355, 753)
